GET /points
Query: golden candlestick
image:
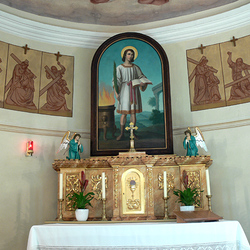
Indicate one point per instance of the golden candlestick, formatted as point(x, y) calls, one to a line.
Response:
point(166, 208)
point(104, 210)
point(60, 216)
point(209, 202)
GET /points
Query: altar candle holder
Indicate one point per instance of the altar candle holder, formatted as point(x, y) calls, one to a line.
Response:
point(104, 209)
point(209, 202)
point(166, 208)
point(60, 216)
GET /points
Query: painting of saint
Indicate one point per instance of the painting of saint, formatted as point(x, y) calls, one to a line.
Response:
point(56, 100)
point(136, 90)
point(56, 90)
point(21, 87)
point(241, 84)
point(128, 96)
point(206, 84)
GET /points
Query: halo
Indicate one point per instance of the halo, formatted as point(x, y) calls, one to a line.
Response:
point(130, 47)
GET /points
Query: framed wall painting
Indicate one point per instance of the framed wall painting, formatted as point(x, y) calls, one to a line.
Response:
point(116, 101)
point(36, 81)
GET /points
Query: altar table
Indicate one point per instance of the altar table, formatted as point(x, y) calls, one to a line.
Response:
point(139, 235)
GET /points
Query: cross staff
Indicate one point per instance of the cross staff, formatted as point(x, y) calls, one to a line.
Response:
point(26, 48)
point(58, 55)
point(234, 41)
point(237, 81)
point(132, 128)
point(201, 48)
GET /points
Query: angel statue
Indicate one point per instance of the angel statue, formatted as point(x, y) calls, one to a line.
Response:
point(73, 144)
point(191, 142)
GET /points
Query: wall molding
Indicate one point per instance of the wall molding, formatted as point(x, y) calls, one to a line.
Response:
point(86, 135)
point(35, 131)
point(203, 27)
point(215, 126)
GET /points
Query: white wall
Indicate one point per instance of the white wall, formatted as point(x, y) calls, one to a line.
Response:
point(29, 185)
point(226, 131)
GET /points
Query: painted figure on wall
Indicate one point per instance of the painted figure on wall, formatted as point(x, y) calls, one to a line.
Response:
point(127, 94)
point(56, 89)
point(241, 85)
point(21, 86)
point(206, 85)
point(213, 88)
point(201, 93)
point(75, 148)
point(189, 143)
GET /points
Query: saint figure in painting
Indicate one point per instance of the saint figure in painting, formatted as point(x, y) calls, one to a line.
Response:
point(21, 87)
point(213, 88)
point(201, 93)
point(127, 91)
point(56, 100)
point(241, 89)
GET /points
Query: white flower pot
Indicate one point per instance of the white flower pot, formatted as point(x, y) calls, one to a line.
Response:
point(82, 214)
point(186, 208)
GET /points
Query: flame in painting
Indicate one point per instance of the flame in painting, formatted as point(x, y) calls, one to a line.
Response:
point(106, 98)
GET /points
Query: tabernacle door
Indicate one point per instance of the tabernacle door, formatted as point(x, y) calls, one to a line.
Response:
point(133, 194)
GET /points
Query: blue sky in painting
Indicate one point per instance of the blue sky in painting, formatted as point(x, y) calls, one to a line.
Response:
point(148, 60)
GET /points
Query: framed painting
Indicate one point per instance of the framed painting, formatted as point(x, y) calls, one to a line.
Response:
point(130, 83)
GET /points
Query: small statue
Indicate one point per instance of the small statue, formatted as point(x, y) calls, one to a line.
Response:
point(191, 142)
point(74, 145)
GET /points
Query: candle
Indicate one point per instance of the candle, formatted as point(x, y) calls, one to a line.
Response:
point(103, 186)
point(61, 186)
point(165, 184)
point(208, 182)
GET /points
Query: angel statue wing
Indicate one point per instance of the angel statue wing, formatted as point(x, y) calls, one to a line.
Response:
point(65, 141)
point(200, 141)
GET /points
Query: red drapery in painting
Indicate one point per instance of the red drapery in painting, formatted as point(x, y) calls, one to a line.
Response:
point(155, 2)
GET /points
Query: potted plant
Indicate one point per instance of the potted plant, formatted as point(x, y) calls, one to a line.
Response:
point(81, 201)
point(189, 197)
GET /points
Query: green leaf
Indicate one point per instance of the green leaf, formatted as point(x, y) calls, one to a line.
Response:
point(80, 200)
point(115, 79)
point(188, 197)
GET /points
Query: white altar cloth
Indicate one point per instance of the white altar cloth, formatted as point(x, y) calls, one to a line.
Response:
point(141, 235)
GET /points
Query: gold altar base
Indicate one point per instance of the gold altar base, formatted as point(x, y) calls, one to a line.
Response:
point(134, 184)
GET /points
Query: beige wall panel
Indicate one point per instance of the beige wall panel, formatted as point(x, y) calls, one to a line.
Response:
point(241, 50)
point(58, 99)
point(215, 96)
point(3, 66)
point(22, 94)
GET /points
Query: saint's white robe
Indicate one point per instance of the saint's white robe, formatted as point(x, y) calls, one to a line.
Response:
point(126, 104)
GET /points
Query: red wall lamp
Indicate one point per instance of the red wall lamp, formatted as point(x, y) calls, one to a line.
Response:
point(29, 148)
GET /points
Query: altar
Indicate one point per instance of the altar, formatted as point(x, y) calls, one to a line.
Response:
point(133, 184)
point(138, 235)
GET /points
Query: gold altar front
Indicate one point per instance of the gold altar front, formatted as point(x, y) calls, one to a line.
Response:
point(134, 184)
